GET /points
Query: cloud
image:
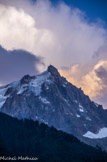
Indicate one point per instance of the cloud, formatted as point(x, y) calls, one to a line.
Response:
point(17, 30)
point(101, 73)
point(91, 75)
point(91, 78)
point(63, 36)
point(17, 63)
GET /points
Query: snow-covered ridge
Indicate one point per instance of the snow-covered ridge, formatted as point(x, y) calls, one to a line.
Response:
point(2, 96)
point(35, 84)
point(101, 134)
point(3, 91)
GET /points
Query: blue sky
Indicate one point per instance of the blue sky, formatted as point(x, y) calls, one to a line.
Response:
point(94, 9)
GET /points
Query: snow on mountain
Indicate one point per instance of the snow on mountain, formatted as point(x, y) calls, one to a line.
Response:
point(78, 115)
point(101, 134)
point(36, 83)
point(51, 99)
point(2, 96)
point(81, 108)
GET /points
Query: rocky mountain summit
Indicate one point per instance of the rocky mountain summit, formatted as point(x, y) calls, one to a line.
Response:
point(50, 98)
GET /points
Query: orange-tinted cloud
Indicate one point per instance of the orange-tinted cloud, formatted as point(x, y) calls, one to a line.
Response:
point(92, 81)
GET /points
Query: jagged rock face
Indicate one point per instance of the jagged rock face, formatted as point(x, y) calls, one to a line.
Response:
point(49, 98)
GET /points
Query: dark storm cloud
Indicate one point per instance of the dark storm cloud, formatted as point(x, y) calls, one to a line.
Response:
point(15, 64)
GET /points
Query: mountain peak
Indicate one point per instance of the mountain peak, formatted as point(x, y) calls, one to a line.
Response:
point(53, 70)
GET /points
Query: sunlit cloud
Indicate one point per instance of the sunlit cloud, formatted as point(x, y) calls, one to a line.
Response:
point(93, 82)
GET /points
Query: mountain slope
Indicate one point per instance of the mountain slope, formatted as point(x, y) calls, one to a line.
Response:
point(29, 138)
point(49, 98)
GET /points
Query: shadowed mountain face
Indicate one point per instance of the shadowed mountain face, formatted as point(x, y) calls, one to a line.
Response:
point(51, 99)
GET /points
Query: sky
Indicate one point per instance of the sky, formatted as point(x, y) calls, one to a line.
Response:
point(94, 9)
point(69, 34)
